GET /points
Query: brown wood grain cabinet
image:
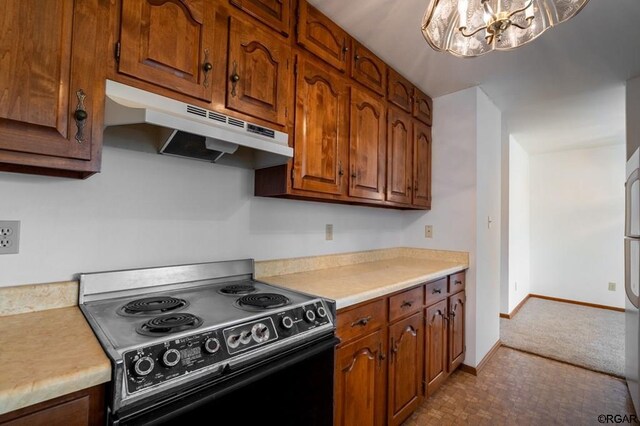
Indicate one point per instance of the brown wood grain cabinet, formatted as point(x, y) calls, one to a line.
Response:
point(321, 129)
point(367, 145)
point(399, 91)
point(422, 107)
point(169, 44)
point(399, 156)
point(421, 165)
point(322, 37)
point(274, 13)
point(82, 408)
point(52, 86)
point(424, 345)
point(259, 72)
point(368, 69)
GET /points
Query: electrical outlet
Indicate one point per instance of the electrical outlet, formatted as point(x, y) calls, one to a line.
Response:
point(328, 232)
point(9, 236)
point(612, 286)
point(428, 231)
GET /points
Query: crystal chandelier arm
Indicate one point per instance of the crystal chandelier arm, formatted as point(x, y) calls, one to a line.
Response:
point(515, 12)
point(472, 33)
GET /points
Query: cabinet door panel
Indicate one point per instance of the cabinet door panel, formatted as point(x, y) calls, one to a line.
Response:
point(399, 91)
point(320, 130)
point(456, 330)
point(368, 69)
point(405, 368)
point(274, 13)
point(258, 74)
point(360, 384)
point(322, 37)
point(422, 107)
point(421, 165)
point(399, 156)
point(168, 43)
point(367, 146)
point(435, 345)
point(39, 89)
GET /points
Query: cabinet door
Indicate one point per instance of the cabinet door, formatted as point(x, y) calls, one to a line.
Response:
point(456, 330)
point(399, 156)
point(399, 91)
point(274, 13)
point(258, 73)
point(360, 382)
point(421, 165)
point(435, 345)
point(48, 70)
point(368, 69)
point(367, 146)
point(169, 43)
point(322, 37)
point(405, 368)
point(422, 107)
point(321, 130)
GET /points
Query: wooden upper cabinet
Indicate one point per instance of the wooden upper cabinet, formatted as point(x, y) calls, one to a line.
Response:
point(274, 13)
point(51, 86)
point(422, 107)
point(399, 91)
point(399, 157)
point(322, 37)
point(405, 368)
point(456, 330)
point(169, 43)
point(321, 129)
point(258, 73)
point(435, 348)
point(360, 382)
point(367, 146)
point(421, 165)
point(368, 69)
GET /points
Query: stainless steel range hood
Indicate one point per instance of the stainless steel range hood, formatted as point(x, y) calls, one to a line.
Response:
point(194, 132)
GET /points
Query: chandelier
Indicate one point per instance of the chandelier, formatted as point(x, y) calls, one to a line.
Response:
point(470, 28)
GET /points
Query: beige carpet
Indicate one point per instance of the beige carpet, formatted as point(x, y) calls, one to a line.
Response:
point(588, 337)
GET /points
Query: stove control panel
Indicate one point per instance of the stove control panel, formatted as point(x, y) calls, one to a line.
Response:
point(213, 349)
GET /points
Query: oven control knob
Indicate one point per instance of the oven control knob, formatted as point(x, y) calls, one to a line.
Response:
point(286, 322)
point(310, 315)
point(245, 337)
point(171, 357)
point(322, 312)
point(211, 345)
point(233, 341)
point(260, 332)
point(143, 366)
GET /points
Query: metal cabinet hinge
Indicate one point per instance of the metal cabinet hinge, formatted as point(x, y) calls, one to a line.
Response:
point(117, 51)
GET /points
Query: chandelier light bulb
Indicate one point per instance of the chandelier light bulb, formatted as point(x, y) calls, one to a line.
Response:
point(481, 26)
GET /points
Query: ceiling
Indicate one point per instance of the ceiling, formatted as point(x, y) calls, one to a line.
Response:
point(563, 90)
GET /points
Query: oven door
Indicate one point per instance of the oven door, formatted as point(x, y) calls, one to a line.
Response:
point(294, 388)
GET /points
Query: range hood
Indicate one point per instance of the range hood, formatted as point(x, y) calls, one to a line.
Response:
point(194, 132)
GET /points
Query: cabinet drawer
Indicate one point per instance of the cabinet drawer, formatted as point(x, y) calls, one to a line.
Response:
point(456, 282)
point(435, 291)
point(361, 320)
point(405, 303)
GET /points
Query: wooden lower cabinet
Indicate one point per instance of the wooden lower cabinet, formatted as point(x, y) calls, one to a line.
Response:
point(405, 368)
point(82, 408)
point(396, 350)
point(360, 382)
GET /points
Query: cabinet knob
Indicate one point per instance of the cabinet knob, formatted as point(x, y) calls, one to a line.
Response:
point(353, 175)
point(357, 57)
point(235, 78)
point(80, 115)
point(206, 67)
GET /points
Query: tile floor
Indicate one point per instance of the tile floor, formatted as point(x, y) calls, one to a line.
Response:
point(516, 388)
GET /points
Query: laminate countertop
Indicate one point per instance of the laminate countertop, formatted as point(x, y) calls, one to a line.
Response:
point(47, 354)
point(352, 284)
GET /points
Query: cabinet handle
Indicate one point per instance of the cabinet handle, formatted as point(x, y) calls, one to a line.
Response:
point(394, 347)
point(340, 170)
point(361, 322)
point(436, 291)
point(345, 49)
point(356, 58)
point(353, 175)
point(80, 116)
point(381, 356)
point(235, 78)
point(408, 187)
point(206, 67)
point(457, 282)
point(406, 304)
point(452, 314)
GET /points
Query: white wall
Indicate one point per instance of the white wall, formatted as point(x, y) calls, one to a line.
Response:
point(504, 220)
point(488, 196)
point(519, 226)
point(147, 209)
point(577, 224)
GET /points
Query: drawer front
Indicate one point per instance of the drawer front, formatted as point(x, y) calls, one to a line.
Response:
point(456, 282)
point(435, 291)
point(405, 303)
point(361, 320)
